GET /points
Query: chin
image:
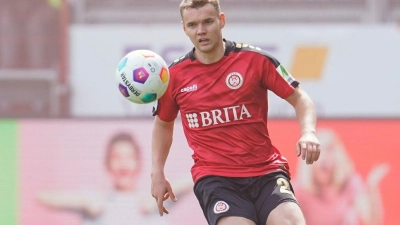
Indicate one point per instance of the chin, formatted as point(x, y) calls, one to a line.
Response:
point(124, 188)
point(124, 185)
point(205, 49)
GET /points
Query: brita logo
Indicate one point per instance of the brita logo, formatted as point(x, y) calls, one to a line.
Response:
point(217, 116)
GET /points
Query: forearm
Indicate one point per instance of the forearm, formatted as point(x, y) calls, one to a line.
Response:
point(369, 207)
point(376, 208)
point(161, 143)
point(62, 201)
point(306, 113)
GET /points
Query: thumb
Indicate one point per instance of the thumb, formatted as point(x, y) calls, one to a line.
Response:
point(172, 195)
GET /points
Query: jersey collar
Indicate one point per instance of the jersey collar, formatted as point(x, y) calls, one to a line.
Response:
point(229, 47)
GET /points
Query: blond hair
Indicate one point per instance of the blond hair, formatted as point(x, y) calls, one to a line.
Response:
point(198, 4)
point(343, 165)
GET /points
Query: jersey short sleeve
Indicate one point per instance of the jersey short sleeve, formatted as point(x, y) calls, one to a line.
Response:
point(166, 107)
point(276, 78)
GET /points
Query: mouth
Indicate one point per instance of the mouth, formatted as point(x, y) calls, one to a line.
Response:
point(124, 173)
point(204, 41)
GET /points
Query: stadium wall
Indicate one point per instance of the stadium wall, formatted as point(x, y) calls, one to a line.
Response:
point(349, 70)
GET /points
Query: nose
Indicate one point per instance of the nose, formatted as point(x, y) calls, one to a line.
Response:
point(201, 29)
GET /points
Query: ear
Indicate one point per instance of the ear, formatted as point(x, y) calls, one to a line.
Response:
point(222, 19)
point(184, 28)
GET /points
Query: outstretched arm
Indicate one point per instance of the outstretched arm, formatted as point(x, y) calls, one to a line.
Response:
point(308, 145)
point(369, 203)
point(69, 201)
point(161, 143)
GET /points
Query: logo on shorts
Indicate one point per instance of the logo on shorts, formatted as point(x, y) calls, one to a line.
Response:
point(234, 80)
point(221, 207)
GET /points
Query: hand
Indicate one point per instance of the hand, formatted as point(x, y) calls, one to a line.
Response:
point(308, 147)
point(376, 175)
point(161, 190)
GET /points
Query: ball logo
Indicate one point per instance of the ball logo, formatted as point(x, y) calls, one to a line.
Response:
point(221, 207)
point(234, 80)
point(129, 85)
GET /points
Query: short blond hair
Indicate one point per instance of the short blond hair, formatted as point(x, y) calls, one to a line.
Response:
point(198, 4)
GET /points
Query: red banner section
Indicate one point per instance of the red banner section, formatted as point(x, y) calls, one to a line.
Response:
point(358, 168)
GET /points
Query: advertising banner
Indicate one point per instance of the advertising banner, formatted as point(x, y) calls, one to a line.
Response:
point(8, 172)
point(72, 172)
point(348, 70)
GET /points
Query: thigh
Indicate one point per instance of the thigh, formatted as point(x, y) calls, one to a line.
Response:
point(275, 190)
point(233, 220)
point(219, 198)
point(286, 213)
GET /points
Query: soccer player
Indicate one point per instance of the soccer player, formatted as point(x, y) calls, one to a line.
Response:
point(220, 89)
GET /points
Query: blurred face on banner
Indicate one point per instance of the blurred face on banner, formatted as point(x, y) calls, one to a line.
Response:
point(203, 25)
point(323, 170)
point(334, 166)
point(123, 165)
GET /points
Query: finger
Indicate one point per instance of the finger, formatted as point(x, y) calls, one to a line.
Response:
point(303, 150)
point(310, 154)
point(172, 195)
point(298, 150)
point(317, 152)
point(165, 210)
point(166, 196)
point(160, 206)
point(313, 151)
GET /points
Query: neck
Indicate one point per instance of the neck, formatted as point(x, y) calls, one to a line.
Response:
point(213, 56)
point(129, 189)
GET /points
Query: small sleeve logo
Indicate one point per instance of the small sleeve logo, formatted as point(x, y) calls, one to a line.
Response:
point(285, 74)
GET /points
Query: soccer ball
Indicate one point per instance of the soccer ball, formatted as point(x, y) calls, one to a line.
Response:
point(142, 76)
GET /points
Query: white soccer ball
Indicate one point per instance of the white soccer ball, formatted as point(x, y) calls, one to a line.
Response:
point(142, 76)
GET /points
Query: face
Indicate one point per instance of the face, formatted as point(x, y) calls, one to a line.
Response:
point(323, 170)
point(203, 26)
point(123, 165)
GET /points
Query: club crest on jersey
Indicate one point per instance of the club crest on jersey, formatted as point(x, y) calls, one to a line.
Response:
point(234, 80)
point(221, 207)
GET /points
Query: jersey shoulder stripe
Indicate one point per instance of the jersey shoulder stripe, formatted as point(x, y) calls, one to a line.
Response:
point(240, 47)
point(179, 60)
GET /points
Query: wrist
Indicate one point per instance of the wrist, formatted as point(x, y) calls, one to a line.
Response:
point(157, 173)
point(308, 131)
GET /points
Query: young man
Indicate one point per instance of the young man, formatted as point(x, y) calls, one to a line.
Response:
point(220, 89)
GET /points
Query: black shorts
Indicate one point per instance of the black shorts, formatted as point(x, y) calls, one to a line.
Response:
point(252, 197)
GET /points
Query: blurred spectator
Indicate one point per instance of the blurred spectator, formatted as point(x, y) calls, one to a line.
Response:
point(332, 184)
point(123, 205)
point(29, 34)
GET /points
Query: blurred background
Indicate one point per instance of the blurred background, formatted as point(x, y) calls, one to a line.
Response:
point(60, 107)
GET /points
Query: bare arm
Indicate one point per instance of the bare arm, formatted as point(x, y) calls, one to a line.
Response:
point(369, 204)
point(308, 145)
point(161, 143)
point(69, 201)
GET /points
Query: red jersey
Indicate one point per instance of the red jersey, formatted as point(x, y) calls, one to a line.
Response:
point(224, 109)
